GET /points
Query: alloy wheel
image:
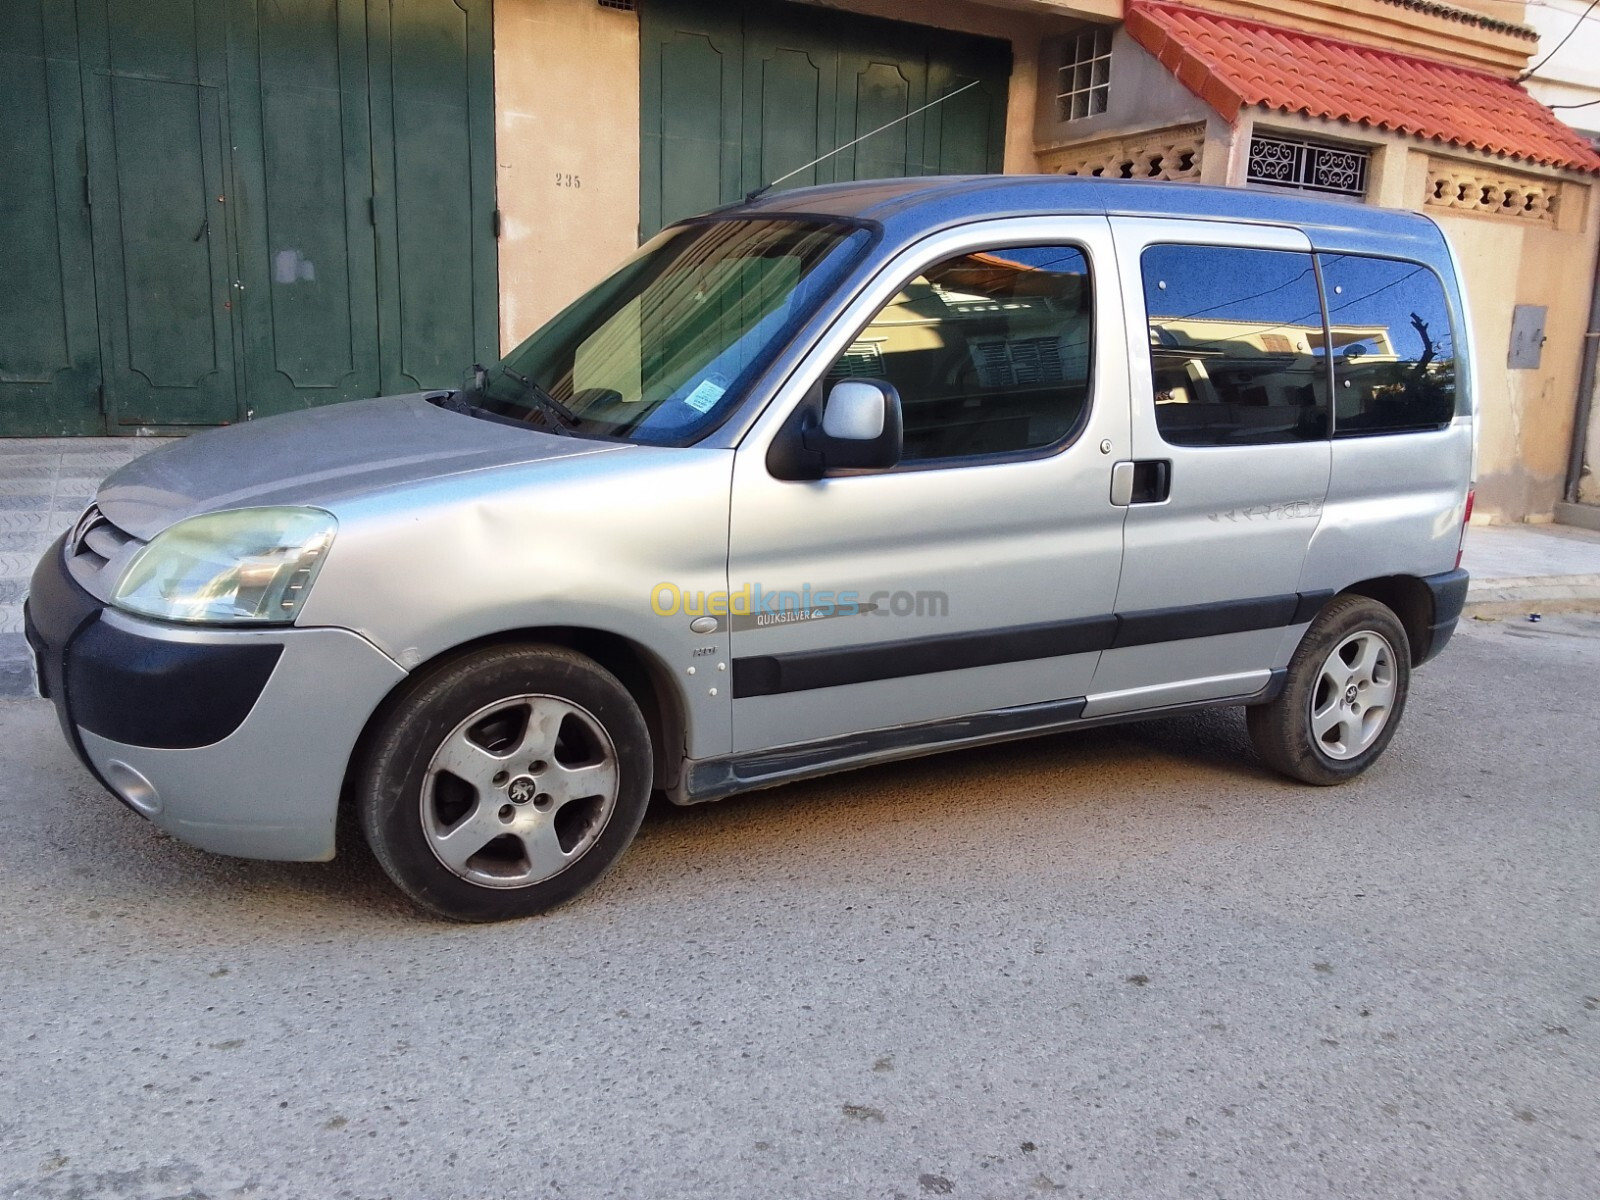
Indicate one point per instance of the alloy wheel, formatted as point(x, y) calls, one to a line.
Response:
point(1354, 695)
point(518, 791)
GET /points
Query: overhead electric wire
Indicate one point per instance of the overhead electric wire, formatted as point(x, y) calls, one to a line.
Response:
point(1576, 25)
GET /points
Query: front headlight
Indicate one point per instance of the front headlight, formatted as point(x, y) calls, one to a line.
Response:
point(247, 565)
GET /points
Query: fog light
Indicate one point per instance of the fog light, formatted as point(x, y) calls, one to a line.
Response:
point(133, 787)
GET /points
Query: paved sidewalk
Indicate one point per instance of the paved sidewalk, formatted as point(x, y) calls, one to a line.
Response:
point(46, 482)
point(1532, 568)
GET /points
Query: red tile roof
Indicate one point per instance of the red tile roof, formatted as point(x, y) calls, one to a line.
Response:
point(1231, 63)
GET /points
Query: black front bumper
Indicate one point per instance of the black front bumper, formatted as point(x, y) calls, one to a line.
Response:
point(57, 610)
point(169, 693)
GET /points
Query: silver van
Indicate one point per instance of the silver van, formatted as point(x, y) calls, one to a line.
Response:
point(832, 477)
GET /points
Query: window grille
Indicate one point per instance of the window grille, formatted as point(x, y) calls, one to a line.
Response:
point(1083, 83)
point(1309, 166)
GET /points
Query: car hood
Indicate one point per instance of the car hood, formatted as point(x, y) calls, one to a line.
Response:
point(316, 457)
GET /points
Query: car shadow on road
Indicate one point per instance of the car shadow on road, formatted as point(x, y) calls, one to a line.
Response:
point(1115, 771)
point(1110, 768)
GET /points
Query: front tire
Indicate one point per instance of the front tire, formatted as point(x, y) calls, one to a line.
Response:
point(505, 782)
point(1344, 696)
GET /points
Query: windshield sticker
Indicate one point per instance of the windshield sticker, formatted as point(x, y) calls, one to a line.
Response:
point(705, 396)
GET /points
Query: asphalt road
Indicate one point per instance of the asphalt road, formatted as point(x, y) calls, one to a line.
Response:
point(1125, 963)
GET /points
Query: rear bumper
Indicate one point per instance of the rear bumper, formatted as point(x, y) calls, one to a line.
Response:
point(1449, 592)
point(234, 740)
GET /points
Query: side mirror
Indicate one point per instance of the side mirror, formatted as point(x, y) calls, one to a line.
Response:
point(860, 430)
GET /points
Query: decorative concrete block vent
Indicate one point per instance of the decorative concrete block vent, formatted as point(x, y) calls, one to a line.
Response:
point(1466, 188)
point(1161, 154)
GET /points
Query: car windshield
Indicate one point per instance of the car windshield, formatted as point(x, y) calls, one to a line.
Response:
point(660, 351)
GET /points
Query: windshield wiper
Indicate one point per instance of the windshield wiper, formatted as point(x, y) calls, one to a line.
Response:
point(545, 401)
point(457, 402)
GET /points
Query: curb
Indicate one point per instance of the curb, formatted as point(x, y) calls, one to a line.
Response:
point(1538, 593)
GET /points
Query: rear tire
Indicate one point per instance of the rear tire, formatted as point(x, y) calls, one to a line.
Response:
point(1343, 698)
point(505, 782)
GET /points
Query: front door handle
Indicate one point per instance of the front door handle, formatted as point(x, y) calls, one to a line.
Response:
point(1145, 481)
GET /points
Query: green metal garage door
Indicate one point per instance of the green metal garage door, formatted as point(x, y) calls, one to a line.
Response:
point(735, 95)
point(49, 345)
point(242, 207)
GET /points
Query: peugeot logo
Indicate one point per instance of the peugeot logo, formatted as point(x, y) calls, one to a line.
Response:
point(522, 789)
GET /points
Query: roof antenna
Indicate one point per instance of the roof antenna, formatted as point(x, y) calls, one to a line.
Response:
point(767, 187)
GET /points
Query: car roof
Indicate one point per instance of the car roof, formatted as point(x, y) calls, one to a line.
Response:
point(929, 202)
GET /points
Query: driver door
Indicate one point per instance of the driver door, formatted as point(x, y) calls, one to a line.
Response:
point(981, 572)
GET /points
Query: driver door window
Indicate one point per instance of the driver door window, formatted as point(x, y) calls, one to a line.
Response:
point(989, 352)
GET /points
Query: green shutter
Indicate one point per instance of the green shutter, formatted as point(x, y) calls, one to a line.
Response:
point(966, 135)
point(158, 179)
point(690, 110)
point(222, 208)
point(432, 64)
point(49, 347)
point(301, 203)
point(733, 97)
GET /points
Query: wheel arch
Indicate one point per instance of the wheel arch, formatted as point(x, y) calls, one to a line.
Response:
point(1411, 600)
point(638, 670)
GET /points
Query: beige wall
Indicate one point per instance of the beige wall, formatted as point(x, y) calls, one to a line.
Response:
point(566, 104)
point(1526, 416)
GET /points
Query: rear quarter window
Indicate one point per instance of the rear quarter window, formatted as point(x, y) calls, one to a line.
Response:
point(1394, 349)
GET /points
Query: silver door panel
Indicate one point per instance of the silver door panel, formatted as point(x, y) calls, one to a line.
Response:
point(1239, 518)
point(1013, 542)
point(1394, 507)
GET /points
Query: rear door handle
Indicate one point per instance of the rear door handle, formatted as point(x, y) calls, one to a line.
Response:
point(1145, 481)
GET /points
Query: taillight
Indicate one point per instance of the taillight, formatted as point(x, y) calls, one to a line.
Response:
point(1472, 495)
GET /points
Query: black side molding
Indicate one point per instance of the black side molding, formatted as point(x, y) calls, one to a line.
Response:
point(773, 674)
point(1207, 620)
point(806, 670)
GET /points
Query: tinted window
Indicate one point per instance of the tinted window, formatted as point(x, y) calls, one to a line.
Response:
point(1394, 356)
point(1236, 345)
point(989, 351)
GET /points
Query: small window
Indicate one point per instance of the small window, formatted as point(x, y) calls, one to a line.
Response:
point(1394, 350)
point(989, 352)
point(1237, 348)
point(1083, 82)
point(1308, 166)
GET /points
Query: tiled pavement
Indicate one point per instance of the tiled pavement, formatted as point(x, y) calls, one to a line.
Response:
point(44, 484)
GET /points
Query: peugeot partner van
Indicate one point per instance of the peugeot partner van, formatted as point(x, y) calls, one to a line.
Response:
point(833, 477)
